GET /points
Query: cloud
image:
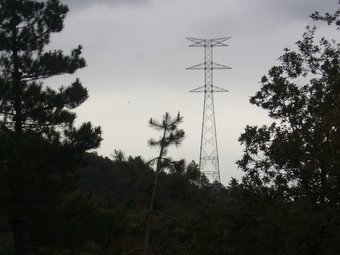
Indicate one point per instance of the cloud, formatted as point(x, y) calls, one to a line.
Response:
point(140, 54)
point(260, 18)
point(79, 4)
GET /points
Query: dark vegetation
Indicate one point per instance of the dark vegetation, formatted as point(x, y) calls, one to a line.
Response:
point(57, 198)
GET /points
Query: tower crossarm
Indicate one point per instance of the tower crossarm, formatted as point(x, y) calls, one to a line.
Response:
point(218, 89)
point(215, 66)
point(201, 66)
point(203, 89)
point(217, 42)
point(197, 42)
point(204, 66)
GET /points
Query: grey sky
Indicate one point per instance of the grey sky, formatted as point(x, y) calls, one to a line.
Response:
point(87, 3)
point(137, 54)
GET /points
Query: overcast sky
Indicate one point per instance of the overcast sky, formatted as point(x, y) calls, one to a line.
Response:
point(137, 53)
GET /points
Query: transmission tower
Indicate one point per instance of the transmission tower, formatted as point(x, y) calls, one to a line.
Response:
point(209, 163)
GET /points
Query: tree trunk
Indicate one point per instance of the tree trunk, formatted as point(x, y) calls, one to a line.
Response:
point(152, 200)
point(18, 236)
point(16, 222)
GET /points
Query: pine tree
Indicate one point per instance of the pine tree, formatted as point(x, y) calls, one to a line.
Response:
point(171, 135)
point(40, 147)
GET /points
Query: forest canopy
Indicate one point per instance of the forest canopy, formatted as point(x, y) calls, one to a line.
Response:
point(59, 197)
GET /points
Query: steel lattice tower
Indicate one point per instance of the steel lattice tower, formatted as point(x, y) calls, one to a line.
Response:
point(209, 163)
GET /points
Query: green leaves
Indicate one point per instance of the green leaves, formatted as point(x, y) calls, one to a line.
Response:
point(329, 18)
point(40, 147)
point(33, 22)
point(171, 134)
point(83, 138)
point(298, 156)
point(74, 95)
point(50, 63)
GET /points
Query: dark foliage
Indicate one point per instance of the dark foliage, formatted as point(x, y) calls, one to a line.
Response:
point(295, 161)
point(57, 199)
point(40, 148)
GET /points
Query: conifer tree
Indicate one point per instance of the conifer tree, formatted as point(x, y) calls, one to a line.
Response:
point(39, 145)
point(171, 135)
